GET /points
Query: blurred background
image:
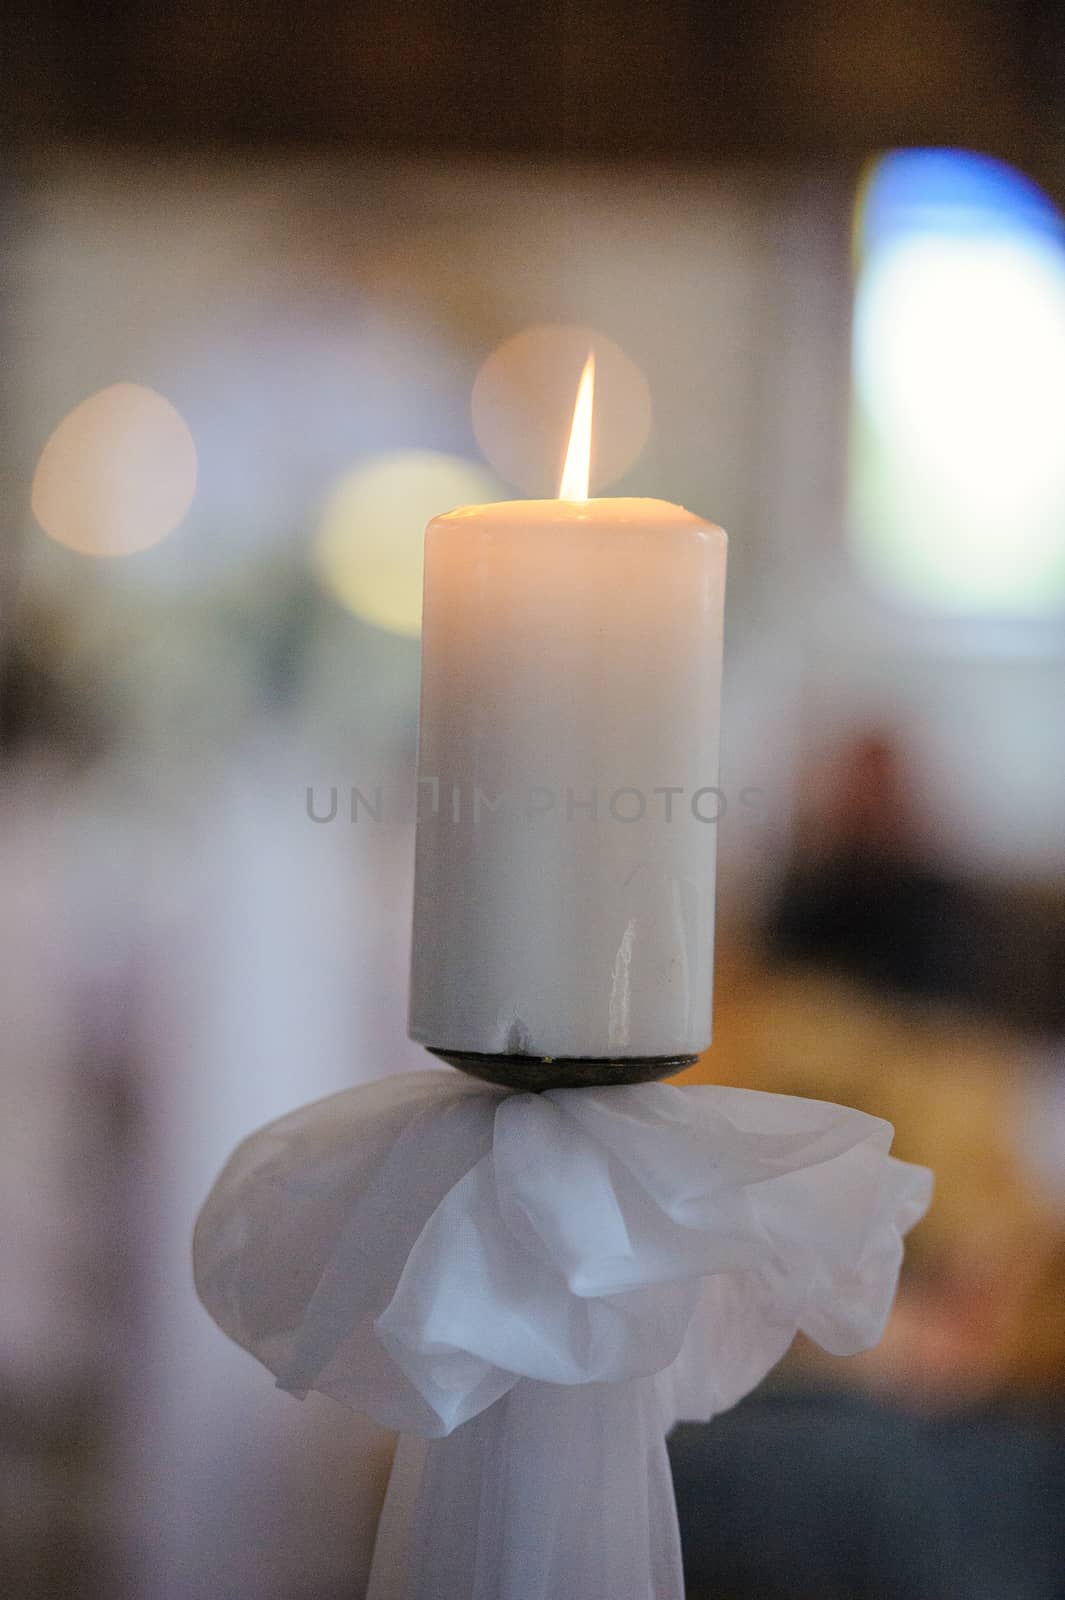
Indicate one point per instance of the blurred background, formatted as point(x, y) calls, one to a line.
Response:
point(278, 285)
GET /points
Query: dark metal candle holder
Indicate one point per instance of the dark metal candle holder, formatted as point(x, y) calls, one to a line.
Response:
point(534, 1074)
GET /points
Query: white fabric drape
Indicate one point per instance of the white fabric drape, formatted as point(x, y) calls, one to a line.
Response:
point(539, 1286)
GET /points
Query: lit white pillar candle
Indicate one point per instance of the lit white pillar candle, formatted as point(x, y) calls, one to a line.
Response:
point(568, 771)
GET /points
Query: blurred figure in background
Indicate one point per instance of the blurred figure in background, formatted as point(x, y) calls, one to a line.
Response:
point(864, 895)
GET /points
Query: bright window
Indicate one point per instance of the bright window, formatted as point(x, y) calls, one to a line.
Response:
point(958, 431)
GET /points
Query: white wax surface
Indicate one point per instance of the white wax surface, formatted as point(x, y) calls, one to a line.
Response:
point(569, 647)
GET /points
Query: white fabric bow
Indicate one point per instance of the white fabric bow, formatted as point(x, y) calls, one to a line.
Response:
point(542, 1285)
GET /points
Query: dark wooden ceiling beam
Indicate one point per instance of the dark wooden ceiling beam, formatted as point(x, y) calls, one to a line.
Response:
point(675, 79)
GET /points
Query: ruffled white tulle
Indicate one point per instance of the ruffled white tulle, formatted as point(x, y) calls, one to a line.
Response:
point(540, 1285)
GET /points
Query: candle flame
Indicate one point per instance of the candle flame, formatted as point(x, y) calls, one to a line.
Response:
point(577, 470)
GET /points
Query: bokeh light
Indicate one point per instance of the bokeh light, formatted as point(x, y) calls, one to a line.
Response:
point(523, 405)
point(117, 475)
point(368, 553)
point(959, 378)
